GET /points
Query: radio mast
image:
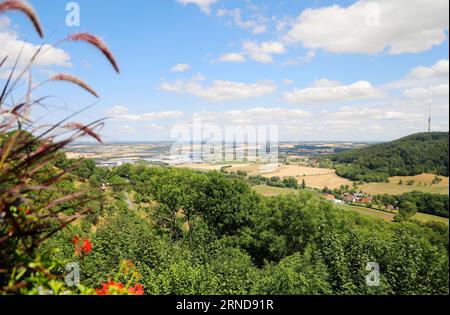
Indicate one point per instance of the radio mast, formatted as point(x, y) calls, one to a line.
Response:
point(429, 118)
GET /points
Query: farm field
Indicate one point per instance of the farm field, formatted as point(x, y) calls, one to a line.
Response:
point(269, 191)
point(390, 216)
point(393, 187)
point(369, 212)
point(331, 181)
point(323, 177)
point(314, 177)
point(424, 178)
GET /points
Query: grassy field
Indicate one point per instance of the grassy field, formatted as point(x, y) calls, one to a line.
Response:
point(314, 177)
point(369, 212)
point(390, 216)
point(422, 182)
point(393, 189)
point(270, 191)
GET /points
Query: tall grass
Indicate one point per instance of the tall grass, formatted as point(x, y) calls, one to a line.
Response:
point(30, 199)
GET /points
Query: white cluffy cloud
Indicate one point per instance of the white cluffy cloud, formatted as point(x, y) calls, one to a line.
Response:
point(323, 91)
point(431, 92)
point(422, 76)
point(121, 113)
point(205, 5)
point(263, 52)
point(181, 67)
point(220, 90)
point(254, 116)
point(232, 57)
point(438, 70)
point(260, 52)
point(11, 46)
point(257, 24)
point(401, 26)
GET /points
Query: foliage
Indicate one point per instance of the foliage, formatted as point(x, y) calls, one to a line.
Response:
point(412, 155)
point(38, 197)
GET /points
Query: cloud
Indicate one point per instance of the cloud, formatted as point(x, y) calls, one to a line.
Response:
point(438, 70)
point(375, 113)
point(220, 90)
point(262, 52)
point(325, 83)
point(401, 26)
point(259, 52)
point(205, 5)
point(121, 113)
point(12, 46)
point(232, 57)
point(181, 67)
point(436, 91)
point(302, 59)
point(325, 91)
point(256, 116)
point(257, 25)
point(422, 77)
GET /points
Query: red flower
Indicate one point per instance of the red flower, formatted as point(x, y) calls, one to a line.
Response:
point(87, 247)
point(103, 291)
point(25, 210)
point(75, 239)
point(139, 289)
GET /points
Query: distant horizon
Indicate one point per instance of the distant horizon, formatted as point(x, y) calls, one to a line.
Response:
point(280, 141)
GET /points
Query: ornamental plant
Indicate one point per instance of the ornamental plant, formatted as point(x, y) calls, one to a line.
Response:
point(33, 207)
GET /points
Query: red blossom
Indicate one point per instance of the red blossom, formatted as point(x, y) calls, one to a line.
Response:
point(27, 211)
point(87, 247)
point(138, 289)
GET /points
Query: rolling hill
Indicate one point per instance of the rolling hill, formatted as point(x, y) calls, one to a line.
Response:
point(408, 156)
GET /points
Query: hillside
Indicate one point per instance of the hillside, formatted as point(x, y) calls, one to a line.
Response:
point(408, 156)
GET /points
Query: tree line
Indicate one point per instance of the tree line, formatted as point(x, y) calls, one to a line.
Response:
point(409, 156)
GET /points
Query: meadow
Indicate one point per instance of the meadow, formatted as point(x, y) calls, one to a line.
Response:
point(422, 182)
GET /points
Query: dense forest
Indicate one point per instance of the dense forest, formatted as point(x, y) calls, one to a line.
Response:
point(411, 155)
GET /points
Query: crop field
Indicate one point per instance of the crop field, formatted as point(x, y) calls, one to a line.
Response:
point(424, 179)
point(422, 182)
point(323, 177)
point(314, 177)
point(331, 181)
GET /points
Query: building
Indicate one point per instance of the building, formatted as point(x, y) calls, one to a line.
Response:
point(366, 199)
point(332, 198)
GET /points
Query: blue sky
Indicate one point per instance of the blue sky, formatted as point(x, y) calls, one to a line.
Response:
point(319, 70)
